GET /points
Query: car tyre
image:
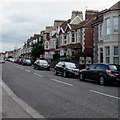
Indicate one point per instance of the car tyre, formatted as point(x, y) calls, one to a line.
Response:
point(56, 73)
point(48, 69)
point(64, 74)
point(81, 77)
point(102, 80)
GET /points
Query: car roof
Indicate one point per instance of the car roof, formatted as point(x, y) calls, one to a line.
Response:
point(41, 60)
point(65, 62)
point(101, 64)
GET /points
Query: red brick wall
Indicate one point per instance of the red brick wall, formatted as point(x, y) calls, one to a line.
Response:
point(89, 41)
point(88, 37)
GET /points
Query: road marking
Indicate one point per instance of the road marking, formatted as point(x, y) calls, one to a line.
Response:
point(22, 68)
point(21, 103)
point(61, 82)
point(38, 75)
point(27, 70)
point(105, 94)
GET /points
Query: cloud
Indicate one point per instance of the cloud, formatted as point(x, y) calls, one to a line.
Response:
point(21, 19)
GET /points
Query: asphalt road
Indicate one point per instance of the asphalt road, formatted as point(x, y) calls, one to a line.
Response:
point(58, 97)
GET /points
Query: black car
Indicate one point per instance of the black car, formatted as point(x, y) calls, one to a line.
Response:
point(41, 64)
point(103, 73)
point(66, 69)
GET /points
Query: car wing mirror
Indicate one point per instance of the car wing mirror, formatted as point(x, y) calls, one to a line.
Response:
point(88, 68)
point(63, 65)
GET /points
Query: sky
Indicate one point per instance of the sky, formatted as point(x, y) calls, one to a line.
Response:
point(21, 19)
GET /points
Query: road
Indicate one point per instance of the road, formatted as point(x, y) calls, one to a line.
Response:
point(58, 97)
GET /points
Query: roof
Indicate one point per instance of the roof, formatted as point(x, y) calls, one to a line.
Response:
point(115, 6)
point(63, 26)
point(99, 17)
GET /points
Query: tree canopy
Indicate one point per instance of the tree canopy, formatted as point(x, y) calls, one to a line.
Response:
point(37, 50)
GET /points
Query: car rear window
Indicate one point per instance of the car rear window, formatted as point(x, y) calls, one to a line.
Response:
point(112, 67)
point(118, 67)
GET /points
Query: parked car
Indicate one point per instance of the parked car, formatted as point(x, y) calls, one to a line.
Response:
point(103, 73)
point(66, 69)
point(41, 64)
point(2, 60)
point(12, 60)
point(26, 62)
point(17, 61)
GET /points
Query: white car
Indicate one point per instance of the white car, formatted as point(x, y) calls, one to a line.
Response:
point(2, 60)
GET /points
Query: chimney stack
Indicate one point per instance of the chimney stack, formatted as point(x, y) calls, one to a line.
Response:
point(76, 13)
point(89, 13)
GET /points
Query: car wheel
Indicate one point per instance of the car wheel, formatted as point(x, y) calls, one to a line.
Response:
point(81, 77)
point(34, 67)
point(102, 81)
point(64, 74)
point(48, 69)
point(56, 73)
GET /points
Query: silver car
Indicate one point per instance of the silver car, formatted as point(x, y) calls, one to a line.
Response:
point(2, 60)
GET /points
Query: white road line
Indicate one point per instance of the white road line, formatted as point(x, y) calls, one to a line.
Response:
point(21, 103)
point(21, 68)
point(105, 94)
point(38, 75)
point(27, 70)
point(62, 82)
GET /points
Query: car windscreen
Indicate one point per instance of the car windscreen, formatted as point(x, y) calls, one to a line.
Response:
point(1, 59)
point(71, 65)
point(43, 62)
point(28, 61)
point(112, 67)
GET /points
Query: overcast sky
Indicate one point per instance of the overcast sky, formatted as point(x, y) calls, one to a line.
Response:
point(21, 19)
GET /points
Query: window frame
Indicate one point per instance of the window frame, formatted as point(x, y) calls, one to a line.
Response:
point(107, 26)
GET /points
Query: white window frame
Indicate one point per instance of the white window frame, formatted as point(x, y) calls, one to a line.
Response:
point(73, 36)
point(115, 24)
point(65, 39)
point(100, 30)
point(107, 54)
point(107, 26)
point(115, 55)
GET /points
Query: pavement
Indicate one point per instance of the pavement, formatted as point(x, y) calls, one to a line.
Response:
point(10, 109)
point(9, 105)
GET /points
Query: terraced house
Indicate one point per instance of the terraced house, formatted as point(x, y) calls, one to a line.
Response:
point(97, 37)
point(106, 35)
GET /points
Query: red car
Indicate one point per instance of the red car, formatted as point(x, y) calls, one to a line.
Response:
point(17, 61)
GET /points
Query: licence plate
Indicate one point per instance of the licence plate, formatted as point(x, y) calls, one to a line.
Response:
point(76, 74)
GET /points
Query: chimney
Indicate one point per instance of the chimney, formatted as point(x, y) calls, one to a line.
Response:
point(76, 13)
point(89, 13)
point(58, 23)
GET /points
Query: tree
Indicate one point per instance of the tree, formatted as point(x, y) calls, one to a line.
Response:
point(37, 50)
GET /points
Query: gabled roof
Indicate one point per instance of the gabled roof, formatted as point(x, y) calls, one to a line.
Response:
point(63, 26)
point(75, 19)
point(115, 6)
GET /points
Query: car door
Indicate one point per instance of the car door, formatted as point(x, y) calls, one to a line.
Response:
point(96, 71)
point(89, 71)
point(57, 67)
point(62, 66)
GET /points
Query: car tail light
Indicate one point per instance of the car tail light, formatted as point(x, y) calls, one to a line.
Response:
point(108, 72)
